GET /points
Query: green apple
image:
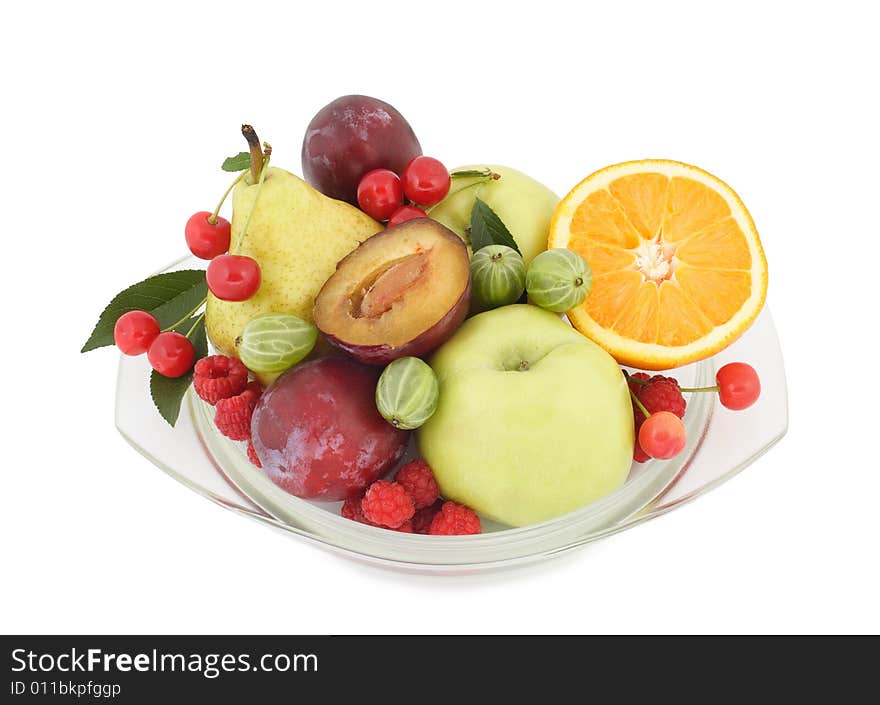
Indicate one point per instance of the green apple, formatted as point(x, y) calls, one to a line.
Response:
point(524, 206)
point(534, 419)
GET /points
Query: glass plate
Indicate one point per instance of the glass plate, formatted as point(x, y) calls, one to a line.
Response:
point(720, 444)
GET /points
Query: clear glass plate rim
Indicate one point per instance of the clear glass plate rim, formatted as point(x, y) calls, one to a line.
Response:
point(322, 543)
point(655, 508)
point(657, 474)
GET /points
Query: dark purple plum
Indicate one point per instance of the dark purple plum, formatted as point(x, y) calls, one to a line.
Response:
point(351, 136)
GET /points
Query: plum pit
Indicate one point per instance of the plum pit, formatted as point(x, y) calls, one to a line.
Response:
point(378, 294)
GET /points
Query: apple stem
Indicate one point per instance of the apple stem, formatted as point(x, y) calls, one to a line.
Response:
point(257, 157)
point(212, 219)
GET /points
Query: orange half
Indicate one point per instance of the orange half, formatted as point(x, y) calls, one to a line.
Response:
point(678, 268)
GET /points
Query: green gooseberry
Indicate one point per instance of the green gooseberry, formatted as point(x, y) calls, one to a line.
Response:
point(498, 276)
point(558, 280)
point(407, 393)
point(275, 342)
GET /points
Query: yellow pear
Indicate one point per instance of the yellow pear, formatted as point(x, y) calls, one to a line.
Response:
point(297, 235)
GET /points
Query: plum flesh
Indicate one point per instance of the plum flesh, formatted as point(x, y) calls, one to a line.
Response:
point(401, 293)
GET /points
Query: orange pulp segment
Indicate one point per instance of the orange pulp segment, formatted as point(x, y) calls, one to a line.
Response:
point(678, 268)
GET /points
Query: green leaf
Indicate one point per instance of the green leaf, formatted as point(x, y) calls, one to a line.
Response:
point(239, 162)
point(168, 393)
point(488, 229)
point(169, 296)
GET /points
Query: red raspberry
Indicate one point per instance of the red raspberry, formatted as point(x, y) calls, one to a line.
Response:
point(219, 377)
point(635, 386)
point(418, 480)
point(351, 509)
point(660, 394)
point(455, 520)
point(639, 455)
point(421, 521)
point(252, 455)
point(233, 417)
point(387, 504)
point(255, 388)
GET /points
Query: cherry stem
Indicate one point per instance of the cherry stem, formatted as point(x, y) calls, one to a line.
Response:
point(639, 404)
point(195, 325)
point(257, 158)
point(186, 317)
point(645, 383)
point(468, 173)
point(212, 219)
point(262, 178)
point(483, 176)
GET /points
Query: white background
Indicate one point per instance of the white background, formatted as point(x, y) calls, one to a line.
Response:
point(113, 125)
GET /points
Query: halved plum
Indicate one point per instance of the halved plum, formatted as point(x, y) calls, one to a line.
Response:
point(401, 292)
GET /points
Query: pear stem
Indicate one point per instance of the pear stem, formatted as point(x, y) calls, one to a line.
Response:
point(255, 149)
point(213, 217)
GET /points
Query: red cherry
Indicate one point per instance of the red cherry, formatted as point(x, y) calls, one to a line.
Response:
point(233, 277)
point(425, 181)
point(738, 385)
point(662, 435)
point(206, 239)
point(405, 213)
point(171, 354)
point(135, 331)
point(380, 193)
